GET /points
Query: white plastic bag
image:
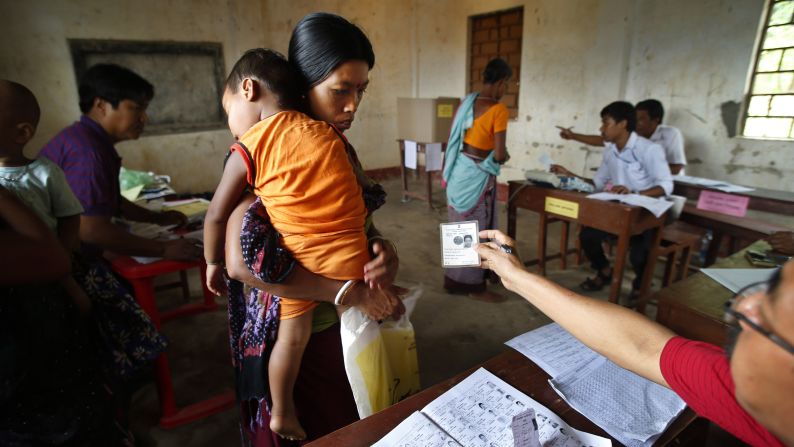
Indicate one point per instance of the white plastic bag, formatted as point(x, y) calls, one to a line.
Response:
point(380, 359)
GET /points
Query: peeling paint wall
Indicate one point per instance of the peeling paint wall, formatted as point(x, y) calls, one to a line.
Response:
point(695, 57)
point(34, 51)
point(578, 55)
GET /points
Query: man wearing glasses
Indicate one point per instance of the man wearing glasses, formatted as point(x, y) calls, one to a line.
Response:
point(747, 388)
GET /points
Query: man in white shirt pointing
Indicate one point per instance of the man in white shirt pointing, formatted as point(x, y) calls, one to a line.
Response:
point(631, 165)
point(650, 114)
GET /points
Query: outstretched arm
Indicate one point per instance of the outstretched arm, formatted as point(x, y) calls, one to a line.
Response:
point(626, 337)
point(567, 134)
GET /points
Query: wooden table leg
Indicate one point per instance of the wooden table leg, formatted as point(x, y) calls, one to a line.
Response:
point(620, 264)
point(511, 218)
point(714, 248)
point(429, 175)
point(403, 174)
point(650, 266)
point(564, 244)
point(542, 224)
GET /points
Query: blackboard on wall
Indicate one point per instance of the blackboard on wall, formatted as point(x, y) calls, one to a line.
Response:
point(187, 77)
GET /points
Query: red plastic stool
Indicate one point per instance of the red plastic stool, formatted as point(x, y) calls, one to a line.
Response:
point(141, 276)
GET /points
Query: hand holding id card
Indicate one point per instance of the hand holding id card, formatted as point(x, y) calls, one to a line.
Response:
point(457, 244)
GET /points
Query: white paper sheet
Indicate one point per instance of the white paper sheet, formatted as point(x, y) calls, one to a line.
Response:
point(546, 161)
point(657, 206)
point(553, 349)
point(479, 410)
point(632, 409)
point(737, 279)
point(410, 154)
point(525, 429)
point(417, 430)
point(434, 158)
point(714, 184)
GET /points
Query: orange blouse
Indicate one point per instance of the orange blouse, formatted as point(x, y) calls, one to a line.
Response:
point(482, 131)
point(300, 169)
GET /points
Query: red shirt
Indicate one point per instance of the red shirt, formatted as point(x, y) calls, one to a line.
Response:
point(701, 375)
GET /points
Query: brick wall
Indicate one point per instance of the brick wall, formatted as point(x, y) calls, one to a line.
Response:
point(497, 35)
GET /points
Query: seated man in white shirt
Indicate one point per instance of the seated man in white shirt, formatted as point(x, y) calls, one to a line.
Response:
point(631, 165)
point(650, 114)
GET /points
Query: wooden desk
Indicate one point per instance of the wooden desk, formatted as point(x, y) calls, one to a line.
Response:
point(514, 369)
point(694, 307)
point(769, 200)
point(420, 149)
point(615, 218)
point(722, 225)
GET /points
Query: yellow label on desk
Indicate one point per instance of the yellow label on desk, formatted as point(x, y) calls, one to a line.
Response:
point(444, 111)
point(562, 207)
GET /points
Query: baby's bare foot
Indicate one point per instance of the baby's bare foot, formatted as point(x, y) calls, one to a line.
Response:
point(287, 426)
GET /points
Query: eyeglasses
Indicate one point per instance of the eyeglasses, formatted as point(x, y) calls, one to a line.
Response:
point(733, 316)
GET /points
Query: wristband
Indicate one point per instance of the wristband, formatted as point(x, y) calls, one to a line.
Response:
point(383, 239)
point(340, 295)
point(214, 262)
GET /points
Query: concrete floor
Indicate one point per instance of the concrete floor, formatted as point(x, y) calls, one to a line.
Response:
point(453, 332)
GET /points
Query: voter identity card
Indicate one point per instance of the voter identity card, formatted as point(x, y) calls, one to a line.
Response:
point(457, 244)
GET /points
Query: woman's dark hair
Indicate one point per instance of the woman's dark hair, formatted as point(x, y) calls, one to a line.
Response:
point(321, 41)
point(653, 107)
point(621, 111)
point(113, 84)
point(496, 70)
point(273, 71)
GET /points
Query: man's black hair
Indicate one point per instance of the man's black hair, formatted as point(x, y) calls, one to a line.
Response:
point(621, 111)
point(113, 84)
point(496, 70)
point(273, 71)
point(653, 107)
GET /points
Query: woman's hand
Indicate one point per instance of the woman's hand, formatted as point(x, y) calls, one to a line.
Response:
point(560, 170)
point(382, 271)
point(215, 280)
point(377, 304)
point(495, 258)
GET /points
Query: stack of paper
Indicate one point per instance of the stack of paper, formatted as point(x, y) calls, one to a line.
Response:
point(632, 409)
point(657, 206)
point(479, 411)
point(737, 279)
point(194, 209)
point(713, 184)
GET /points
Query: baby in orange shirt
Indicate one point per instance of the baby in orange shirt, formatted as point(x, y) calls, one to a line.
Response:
point(300, 169)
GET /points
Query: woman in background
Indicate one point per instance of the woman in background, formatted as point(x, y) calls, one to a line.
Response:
point(475, 152)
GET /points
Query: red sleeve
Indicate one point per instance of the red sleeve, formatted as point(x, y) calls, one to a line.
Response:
point(250, 167)
point(700, 374)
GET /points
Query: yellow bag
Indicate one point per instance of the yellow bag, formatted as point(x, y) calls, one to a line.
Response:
point(380, 359)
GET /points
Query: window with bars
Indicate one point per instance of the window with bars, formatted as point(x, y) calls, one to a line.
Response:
point(770, 101)
point(493, 35)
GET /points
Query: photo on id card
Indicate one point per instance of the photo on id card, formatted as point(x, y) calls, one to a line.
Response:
point(457, 244)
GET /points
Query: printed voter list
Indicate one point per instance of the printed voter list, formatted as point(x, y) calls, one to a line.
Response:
point(457, 244)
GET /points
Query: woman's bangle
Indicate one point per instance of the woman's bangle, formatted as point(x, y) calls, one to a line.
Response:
point(342, 293)
point(383, 239)
point(214, 262)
